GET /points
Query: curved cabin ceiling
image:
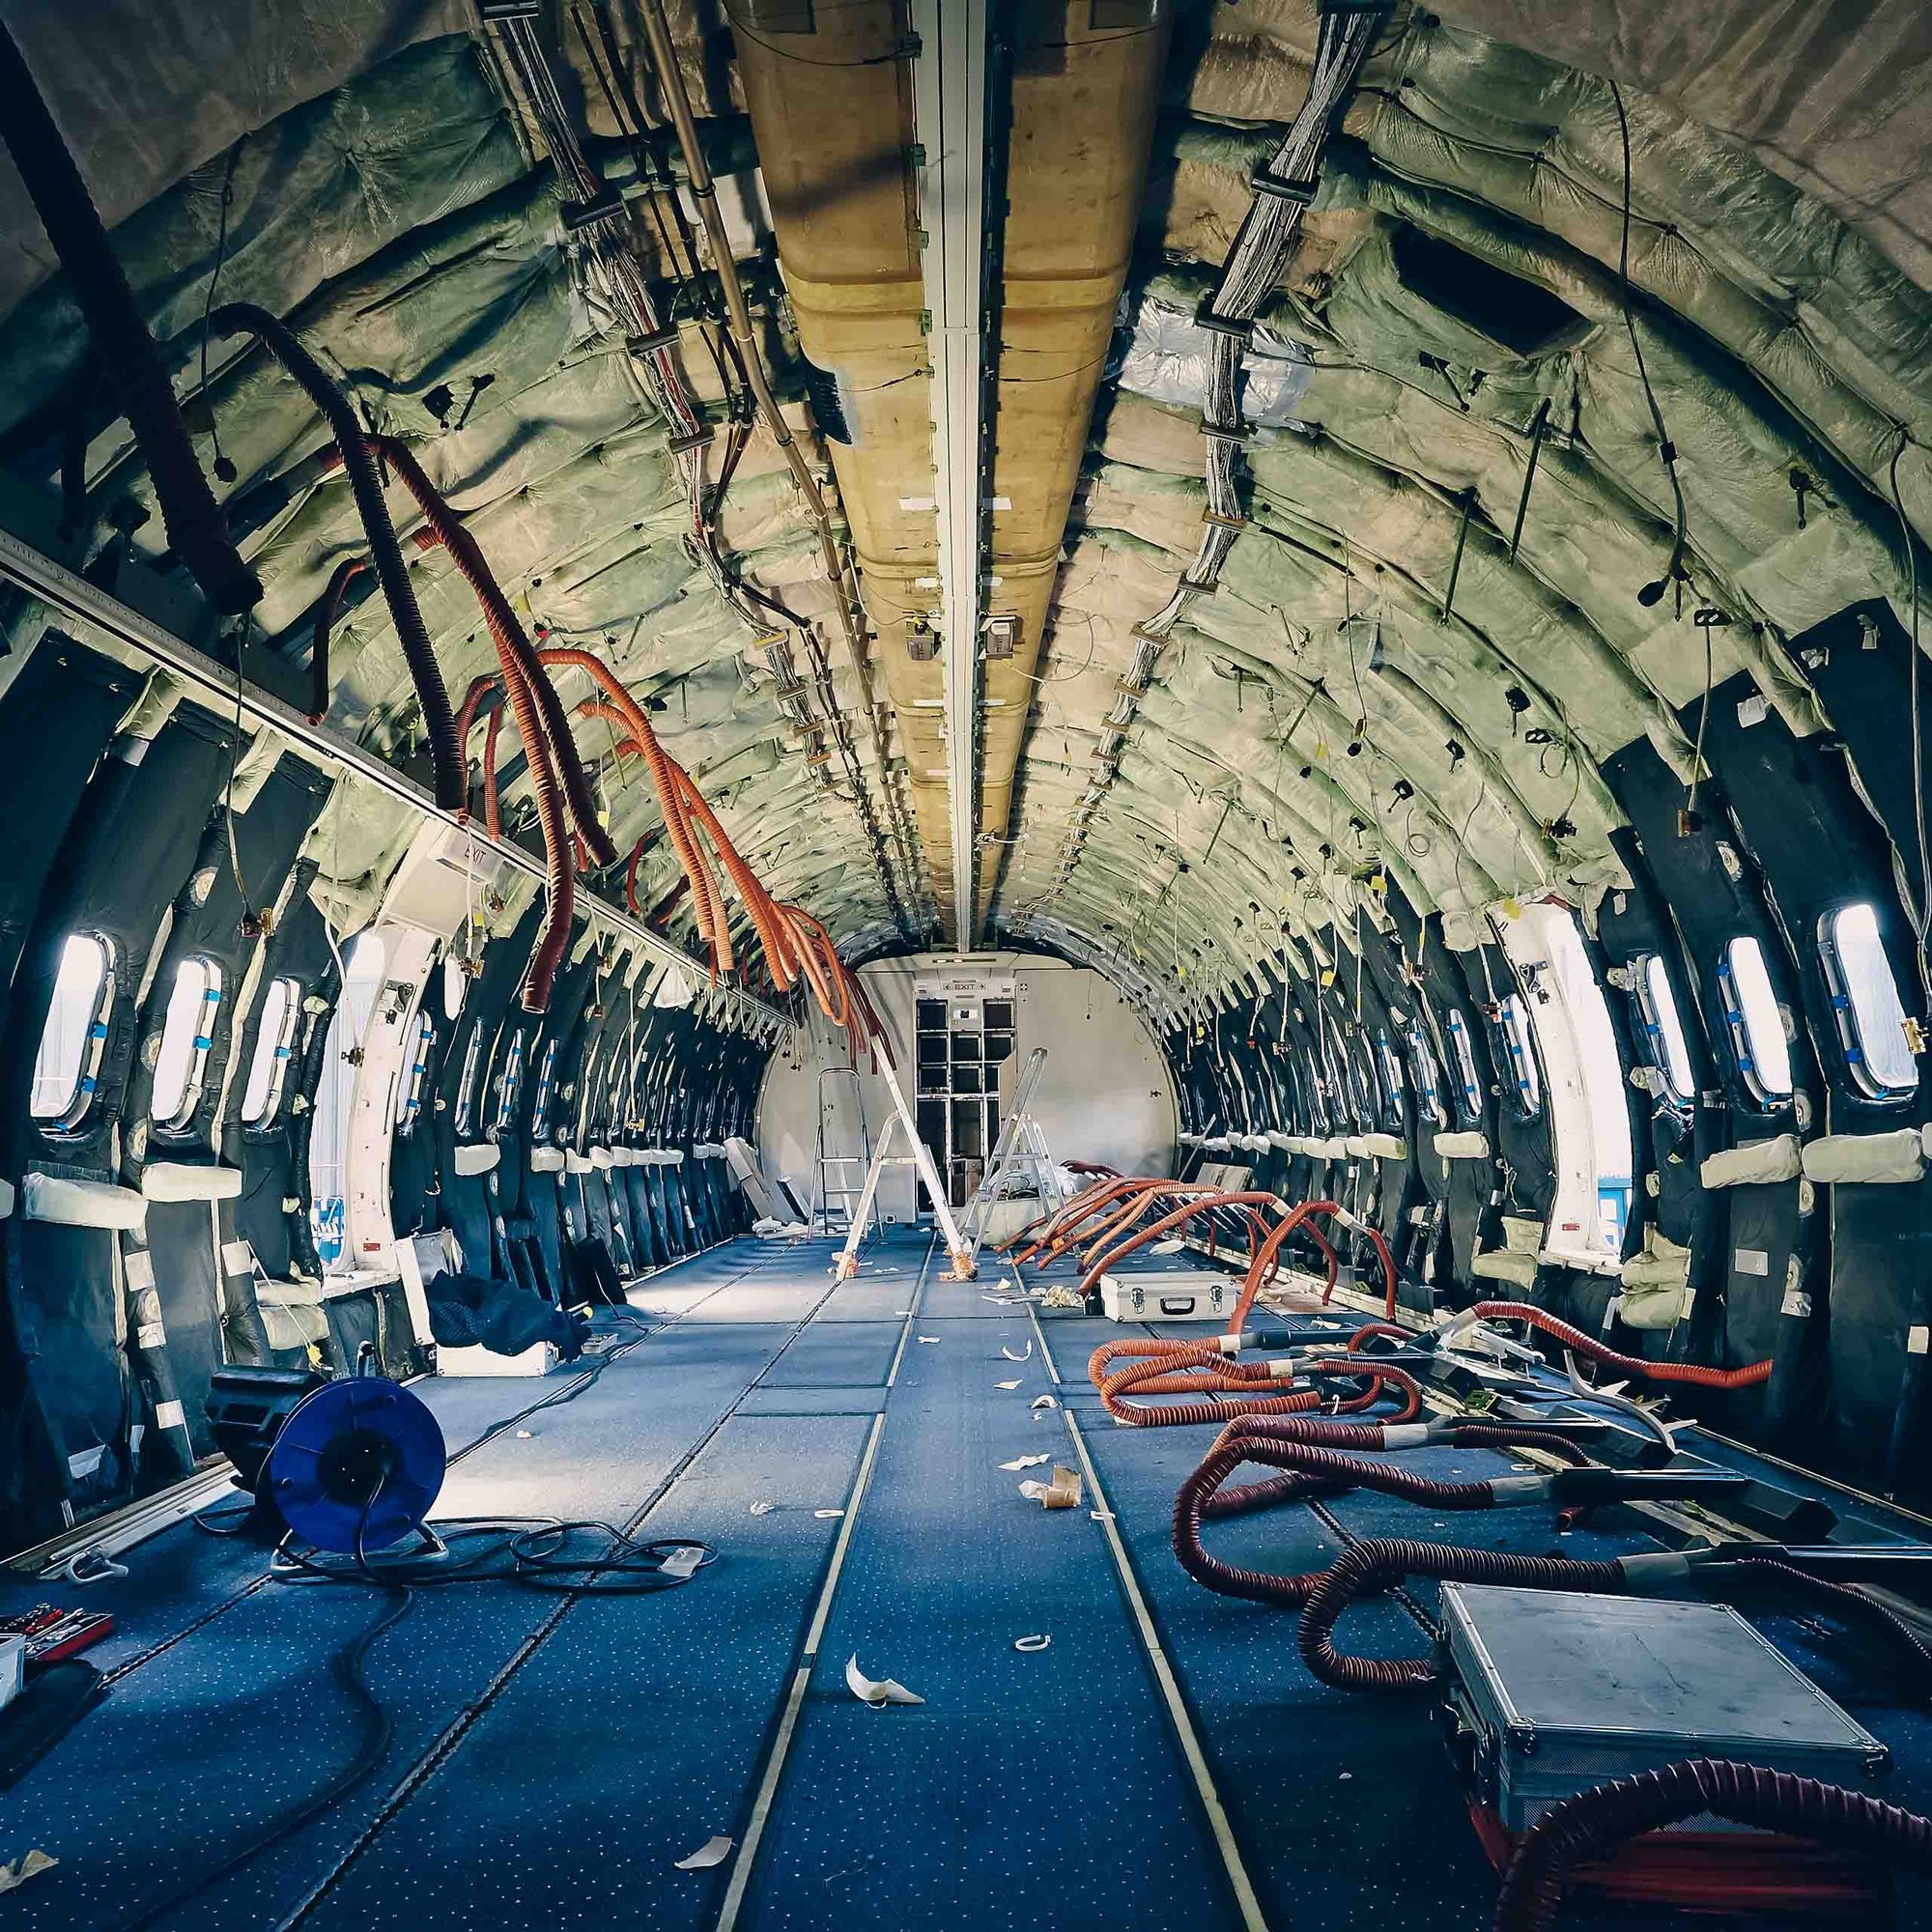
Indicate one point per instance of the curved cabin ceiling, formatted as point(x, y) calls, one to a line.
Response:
point(1587, 368)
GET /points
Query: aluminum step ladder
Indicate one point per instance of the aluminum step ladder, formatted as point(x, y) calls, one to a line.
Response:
point(1021, 1164)
point(917, 1155)
point(835, 1191)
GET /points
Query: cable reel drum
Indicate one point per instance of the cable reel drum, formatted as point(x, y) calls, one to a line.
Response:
point(358, 1466)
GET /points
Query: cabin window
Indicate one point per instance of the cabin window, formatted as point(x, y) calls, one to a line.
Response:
point(1428, 1076)
point(68, 1064)
point(1469, 1088)
point(274, 1047)
point(466, 1087)
point(510, 1087)
point(1865, 1006)
point(546, 1086)
point(1526, 1084)
point(416, 1074)
point(187, 1038)
point(1754, 1023)
point(1394, 1115)
point(1663, 1029)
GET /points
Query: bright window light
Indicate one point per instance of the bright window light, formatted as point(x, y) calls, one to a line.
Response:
point(1865, 1000)
point(1755, 1025)
point(274, 1043)
point(187, 1036)
point(76, 1031)
point(1664, 1029)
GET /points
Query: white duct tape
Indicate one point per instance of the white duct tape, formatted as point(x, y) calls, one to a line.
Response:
point(1518, 1489)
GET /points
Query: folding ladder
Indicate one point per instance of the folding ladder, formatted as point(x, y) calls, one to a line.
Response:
point(1021, 1164)
point(833, 1191)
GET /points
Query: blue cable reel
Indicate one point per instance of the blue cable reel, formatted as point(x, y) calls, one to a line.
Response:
point(358, 1466)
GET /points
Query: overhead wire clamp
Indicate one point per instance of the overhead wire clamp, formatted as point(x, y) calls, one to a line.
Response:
point(606, 204)
point(1206, 316)
point(1299, 189)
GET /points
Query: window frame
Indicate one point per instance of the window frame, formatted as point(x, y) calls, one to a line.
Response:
point(410, 1087)
point(204, 1015)
point(1395, 1097)
point(70, 1117)
point(1848, 1023)
point(546, 1088)
point(1468, 1083)
point(1737, 1031)
point(1426, 1071)
point(280, 1048)
point(467, 1081)
point(509, 1085)
point(1651, 1024)
point(1510, 1024)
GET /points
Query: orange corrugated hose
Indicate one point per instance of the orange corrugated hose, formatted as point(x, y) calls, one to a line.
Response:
point(1056, 1232)
point(1172, 1218)
point(794, 942)
point(1203, 1371)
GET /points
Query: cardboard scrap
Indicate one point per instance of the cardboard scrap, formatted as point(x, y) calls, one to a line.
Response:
point(1062, 1494)
point(29, 1866)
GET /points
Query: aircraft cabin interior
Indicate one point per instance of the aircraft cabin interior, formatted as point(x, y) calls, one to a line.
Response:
point(965, 963)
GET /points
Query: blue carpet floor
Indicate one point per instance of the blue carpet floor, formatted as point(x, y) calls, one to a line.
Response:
point(554, 1757)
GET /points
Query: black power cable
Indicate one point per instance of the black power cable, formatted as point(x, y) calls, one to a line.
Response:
point(348, 1666)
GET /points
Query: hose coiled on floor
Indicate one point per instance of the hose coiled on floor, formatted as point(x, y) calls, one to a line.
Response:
point(1583, 1828)
point(1381, 1564)
point(1312, 1450)
point(1244, 1381)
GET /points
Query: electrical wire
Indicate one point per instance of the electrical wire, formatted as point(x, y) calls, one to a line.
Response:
point(348, 1664)
point(1921, 911)
point(1666, 449)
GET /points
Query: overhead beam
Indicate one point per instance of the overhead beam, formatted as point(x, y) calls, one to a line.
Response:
point(82, 609)
point(950, 115)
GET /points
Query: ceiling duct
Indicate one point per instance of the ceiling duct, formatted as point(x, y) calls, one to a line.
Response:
point(862, 195)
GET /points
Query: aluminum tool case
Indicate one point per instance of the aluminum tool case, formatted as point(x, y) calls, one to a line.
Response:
point(1178, 1295)
point(1550, 1692)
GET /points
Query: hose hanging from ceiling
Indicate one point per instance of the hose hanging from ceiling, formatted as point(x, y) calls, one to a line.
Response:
point(512, 645)
point(385, 556)
point(197, 532)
